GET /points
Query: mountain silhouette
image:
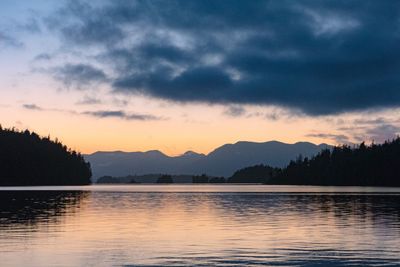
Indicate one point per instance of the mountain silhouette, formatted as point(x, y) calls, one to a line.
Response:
point(223, 161)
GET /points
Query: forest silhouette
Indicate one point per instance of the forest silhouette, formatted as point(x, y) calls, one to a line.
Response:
point(255, 174)
point(165, 179)
point(362, 165)
point(28, 159)
point(359, 165)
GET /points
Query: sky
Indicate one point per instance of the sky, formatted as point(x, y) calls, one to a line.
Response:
point(182, 75)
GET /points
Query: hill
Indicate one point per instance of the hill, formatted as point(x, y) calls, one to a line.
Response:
point(28, 159)
point(223, 161)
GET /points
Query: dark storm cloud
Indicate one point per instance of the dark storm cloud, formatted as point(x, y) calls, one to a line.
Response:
point(320, 57)
point(122, 115)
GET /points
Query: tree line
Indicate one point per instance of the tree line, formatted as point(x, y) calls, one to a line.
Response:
point(28, 159)
point(362, 165)
point(254, 174)
point(359, 165)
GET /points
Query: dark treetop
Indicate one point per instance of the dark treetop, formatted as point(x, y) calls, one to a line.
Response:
point(374, 165)
point(362, 165)
point(202, 179)
point(254, 174)
point(28, 159)
point(165, 179)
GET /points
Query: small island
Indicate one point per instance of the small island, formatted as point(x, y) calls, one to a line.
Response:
point(26, 159)
point(165, 179)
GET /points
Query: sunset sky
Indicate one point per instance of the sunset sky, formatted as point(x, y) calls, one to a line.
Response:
point(193, 75)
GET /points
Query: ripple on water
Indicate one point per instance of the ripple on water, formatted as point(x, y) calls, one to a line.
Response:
point(202, 228)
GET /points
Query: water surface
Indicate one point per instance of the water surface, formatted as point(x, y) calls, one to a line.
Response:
point(199, 225)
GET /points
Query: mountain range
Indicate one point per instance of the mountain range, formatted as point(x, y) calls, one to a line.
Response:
point(223, 161)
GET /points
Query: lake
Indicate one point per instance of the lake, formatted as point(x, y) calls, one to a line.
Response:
point(199, 225)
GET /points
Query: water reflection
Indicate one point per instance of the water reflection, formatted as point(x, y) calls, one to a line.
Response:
point(30, 208)
point(106, 228)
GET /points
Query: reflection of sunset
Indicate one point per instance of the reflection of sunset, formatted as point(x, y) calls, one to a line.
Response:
point(151, 227)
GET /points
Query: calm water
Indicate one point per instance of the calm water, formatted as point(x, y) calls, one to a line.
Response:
point(194, 225)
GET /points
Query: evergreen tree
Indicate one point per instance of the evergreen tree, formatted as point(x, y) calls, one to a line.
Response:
point(200, 179)
point(254, 174)
point(28, 159)
point(374, 165)
point(165, 179)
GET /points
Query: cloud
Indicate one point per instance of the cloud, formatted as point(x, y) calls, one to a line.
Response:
point(122, 115)
point(87, 100)
point(7, 40)
point(338, 138)
point(43, 57)
point(32, 107)
point(31, 25)
point(374, 121)
point(315, 56)
point(275, 113)
point(78, 75)
point(383, 132)
point(364, 128)
point(100, 113)
point(235, 111)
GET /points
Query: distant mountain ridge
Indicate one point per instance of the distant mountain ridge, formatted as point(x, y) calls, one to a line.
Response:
point(223, 161)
